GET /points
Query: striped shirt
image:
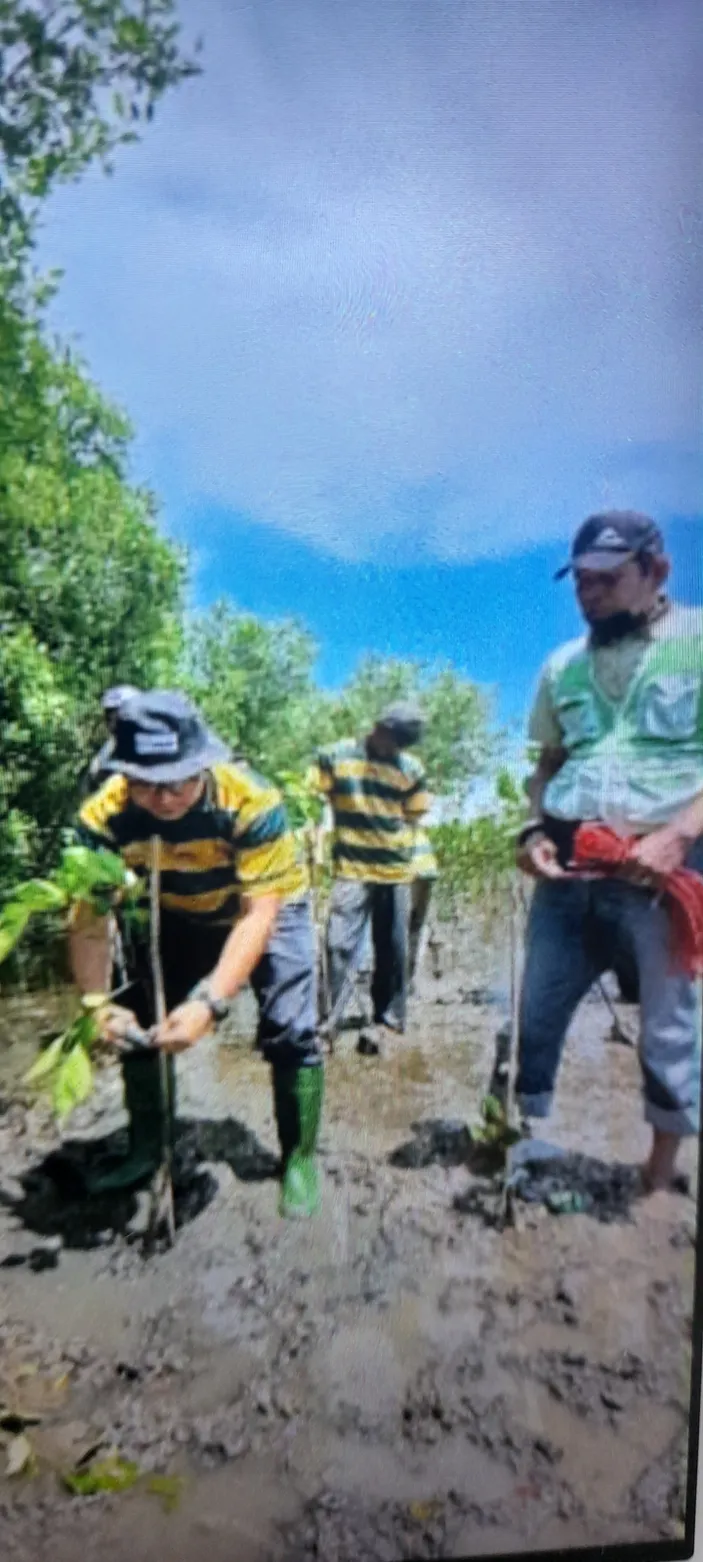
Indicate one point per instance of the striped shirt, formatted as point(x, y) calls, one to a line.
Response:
point(424, 860)
point(235, 841)
point(376, 805)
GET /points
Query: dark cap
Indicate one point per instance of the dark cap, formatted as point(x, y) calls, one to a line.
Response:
point(159, 738)
point(405, 722)
point(116, 696)
point(605, 541)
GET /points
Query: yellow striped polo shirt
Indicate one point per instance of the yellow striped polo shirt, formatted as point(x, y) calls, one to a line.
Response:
point(424, 860)
point(235, 841)
point(376, 806)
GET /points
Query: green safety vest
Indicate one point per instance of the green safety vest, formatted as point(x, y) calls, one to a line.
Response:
point(635, 763)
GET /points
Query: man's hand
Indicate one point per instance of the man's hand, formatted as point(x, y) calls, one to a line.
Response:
point(113, 1023)
point(184, 1026)
point(661, 852)
point(538, 858)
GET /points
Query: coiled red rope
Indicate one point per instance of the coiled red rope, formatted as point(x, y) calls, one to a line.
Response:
point(596, 848)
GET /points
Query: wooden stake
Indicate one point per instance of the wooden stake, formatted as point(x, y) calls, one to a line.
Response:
point(162, 1208)
point(506, 1212)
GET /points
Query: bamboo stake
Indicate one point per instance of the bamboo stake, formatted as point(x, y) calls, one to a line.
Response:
point(506, 1209)
point(162, 1208)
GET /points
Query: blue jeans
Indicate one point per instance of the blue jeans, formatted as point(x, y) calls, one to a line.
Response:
point(573, 934)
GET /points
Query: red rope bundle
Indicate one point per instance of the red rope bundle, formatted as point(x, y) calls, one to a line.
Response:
point(598, 848)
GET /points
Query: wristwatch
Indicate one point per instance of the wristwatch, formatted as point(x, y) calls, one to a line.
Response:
point(219, 1007)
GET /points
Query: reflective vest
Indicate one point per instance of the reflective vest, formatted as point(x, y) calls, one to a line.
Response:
point(632, 764)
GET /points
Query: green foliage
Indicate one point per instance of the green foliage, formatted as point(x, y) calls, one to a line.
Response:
point(494, 1131)
point(254, 683)
point(111, 1474)
point(100, 879)
point(64, 1068)
point(77, 79)
point(90, 593)
point(476, 858)
point(304, 806)
point(82, 875)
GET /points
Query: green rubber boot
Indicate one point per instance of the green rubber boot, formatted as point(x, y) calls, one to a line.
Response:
point(149, 1122)
point(298, 1095)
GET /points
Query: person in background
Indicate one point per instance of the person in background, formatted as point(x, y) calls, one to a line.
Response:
point(110, 704)
point(618, 718)
point(377, 794)
point(234, 909)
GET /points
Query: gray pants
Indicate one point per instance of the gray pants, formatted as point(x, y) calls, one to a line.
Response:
point(284, 981)
point(387, 907)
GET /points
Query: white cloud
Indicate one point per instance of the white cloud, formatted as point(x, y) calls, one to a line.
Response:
point(377, 251)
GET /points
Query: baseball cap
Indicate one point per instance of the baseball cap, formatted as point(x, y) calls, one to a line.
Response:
point(160, 737)
point(405, 721)
point(116, 696)
point(607, 540)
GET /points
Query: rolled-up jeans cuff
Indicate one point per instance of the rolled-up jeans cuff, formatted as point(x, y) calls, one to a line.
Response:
point(535, 1106)
point(685, 1122)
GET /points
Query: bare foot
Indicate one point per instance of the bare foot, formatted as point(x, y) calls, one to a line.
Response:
point(658, 1175)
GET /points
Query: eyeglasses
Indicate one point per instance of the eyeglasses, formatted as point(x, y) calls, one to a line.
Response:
point(160, 788)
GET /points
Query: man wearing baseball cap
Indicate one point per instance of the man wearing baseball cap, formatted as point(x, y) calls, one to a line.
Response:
point(377, 794)
point(233, 910)
point(618, 719)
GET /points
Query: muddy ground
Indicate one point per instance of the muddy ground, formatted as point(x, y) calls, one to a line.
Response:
point(400, 1379)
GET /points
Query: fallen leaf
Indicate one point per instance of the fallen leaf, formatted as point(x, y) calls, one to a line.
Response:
point(168, 1487)
point(112, 1474)
point(60, 1384)
point(19, 1455)
point(422, 1511)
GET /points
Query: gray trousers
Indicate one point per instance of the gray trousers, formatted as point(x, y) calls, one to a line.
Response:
point(284, 981)
point(353, 905)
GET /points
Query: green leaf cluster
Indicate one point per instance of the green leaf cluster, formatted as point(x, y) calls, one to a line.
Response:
point(78, 78)
point(64, 1067)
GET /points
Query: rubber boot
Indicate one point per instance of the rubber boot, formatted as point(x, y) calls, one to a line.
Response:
point(149, 1121)
point(298, 1095)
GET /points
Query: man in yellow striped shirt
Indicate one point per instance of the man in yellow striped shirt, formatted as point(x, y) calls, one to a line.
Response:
point(377, 793)
point(233, 909)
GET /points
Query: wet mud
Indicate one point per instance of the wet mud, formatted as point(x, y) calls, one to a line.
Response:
point(400, 1379)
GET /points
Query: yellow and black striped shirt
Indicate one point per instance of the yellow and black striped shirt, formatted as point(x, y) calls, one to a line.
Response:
point(236, 841)
point(424, 860)
point(376, 806)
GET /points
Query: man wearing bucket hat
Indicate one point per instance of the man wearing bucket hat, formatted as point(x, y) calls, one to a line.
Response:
point(233, 909)
point(377, 794)
point(618, 719)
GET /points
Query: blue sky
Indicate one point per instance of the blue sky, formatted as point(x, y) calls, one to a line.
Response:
point(395, 295)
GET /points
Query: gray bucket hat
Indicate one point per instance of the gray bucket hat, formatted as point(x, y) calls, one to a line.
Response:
point(161, 738)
